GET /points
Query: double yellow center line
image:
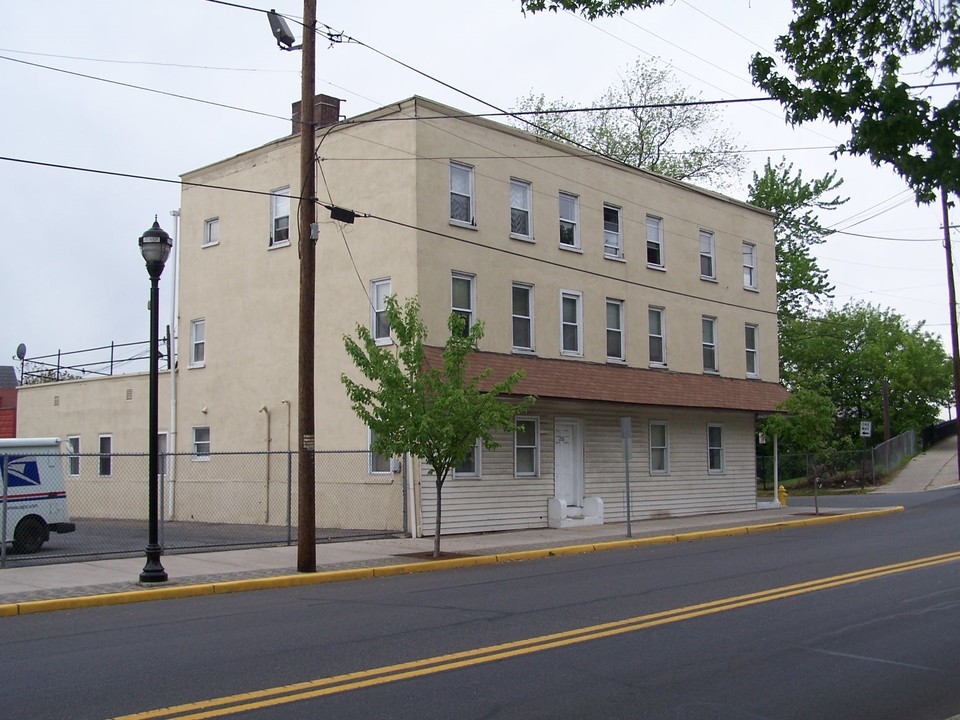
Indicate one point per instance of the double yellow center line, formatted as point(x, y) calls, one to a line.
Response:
point(234, 704)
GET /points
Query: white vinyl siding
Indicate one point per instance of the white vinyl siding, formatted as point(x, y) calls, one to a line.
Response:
point(503, 501)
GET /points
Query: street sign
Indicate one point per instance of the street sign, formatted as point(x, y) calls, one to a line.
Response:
point(866, 428)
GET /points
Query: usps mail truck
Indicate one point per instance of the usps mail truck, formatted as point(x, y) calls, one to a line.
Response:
point(33, 502)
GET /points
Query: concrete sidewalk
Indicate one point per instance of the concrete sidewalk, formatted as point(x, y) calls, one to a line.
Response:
point(43, 588)
point(933, 469)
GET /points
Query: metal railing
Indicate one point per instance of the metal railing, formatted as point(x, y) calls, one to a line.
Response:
point(216, 501)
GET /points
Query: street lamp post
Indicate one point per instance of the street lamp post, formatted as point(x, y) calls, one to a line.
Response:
point(155, 245)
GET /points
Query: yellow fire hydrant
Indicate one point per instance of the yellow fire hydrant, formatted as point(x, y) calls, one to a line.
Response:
point(782, 491)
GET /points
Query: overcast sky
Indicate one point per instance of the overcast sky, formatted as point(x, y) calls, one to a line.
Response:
point(71, 274)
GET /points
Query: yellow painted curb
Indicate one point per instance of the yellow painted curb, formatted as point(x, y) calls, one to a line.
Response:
point(306, 579)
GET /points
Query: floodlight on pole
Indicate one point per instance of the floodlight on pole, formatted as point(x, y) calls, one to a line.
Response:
point(281, 31)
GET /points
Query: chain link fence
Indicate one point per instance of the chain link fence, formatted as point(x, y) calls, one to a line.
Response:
point(855, 468)
point(217, 501)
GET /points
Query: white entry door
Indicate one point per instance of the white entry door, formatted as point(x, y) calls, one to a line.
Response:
point(568, 463)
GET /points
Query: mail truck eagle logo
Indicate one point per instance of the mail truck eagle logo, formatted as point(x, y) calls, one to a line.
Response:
point(22, 471)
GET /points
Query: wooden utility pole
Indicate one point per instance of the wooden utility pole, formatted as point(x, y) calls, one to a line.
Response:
point(952, 294)
point(306, 459)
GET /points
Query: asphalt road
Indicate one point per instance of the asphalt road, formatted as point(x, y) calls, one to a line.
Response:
point(848, 620)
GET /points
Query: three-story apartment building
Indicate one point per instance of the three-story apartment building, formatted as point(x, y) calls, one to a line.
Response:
point(620, 293)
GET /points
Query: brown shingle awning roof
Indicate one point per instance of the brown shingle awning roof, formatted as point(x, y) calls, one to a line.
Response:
point(581, 380)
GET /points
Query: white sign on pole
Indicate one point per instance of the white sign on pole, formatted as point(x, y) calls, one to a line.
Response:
point(866, 428)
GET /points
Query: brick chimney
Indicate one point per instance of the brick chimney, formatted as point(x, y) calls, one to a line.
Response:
point(326, 111)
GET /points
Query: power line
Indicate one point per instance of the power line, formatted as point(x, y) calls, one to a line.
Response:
point(145, 89)
point(141, 62)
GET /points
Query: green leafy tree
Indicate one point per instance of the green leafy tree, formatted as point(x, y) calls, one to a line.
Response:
point(868, 64)
point(654, 127)
point(848, 353)
point(801, 283)
point(435, 413)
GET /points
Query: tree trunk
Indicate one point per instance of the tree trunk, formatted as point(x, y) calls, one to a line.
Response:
point(436, 535)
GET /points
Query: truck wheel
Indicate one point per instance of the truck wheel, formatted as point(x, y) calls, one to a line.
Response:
point(29, 536)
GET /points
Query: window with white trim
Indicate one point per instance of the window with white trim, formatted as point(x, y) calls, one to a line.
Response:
point(612, 236)
point(569, 221)
point(749, 266)
point(211, 231)
point(73, 459)
point(463, 298)
point(379, 324)
point(709, 325)
point(280, 217)
point(521, 216)
point(655, 242)
point(523, 317)
point(198, 342)
point(571, 323)
point(378, 464)
point(615, 349)
point(715, 459)
point(750, 344)
point(659, 448)
point(462, 194)
point(470, 467)
point(708, 268)
point(105, 461)
point(656, 320)
point(201, 443)
point(526, 447)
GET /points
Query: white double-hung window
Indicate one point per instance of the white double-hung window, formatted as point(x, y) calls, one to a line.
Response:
point(659, 448)
point(615, 349)
point(657, 335)
point(280, 217)
point(709, 325)
point(569, 221)
point(571, 323)
point(463, 299)
point(750, 344)
point(749, 266)
point(462, 194)
point(654, 242)
point(379, 324)
point(211, 231)
point(708, 269)
point(522, 317)
point(521, 217)
point(198, 342)
point(612, 235)
point(526, 444)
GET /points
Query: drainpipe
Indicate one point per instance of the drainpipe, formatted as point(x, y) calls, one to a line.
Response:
point(266, 520)
point(172, 431)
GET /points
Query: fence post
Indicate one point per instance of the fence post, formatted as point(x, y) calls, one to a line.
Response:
point(289, 497)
